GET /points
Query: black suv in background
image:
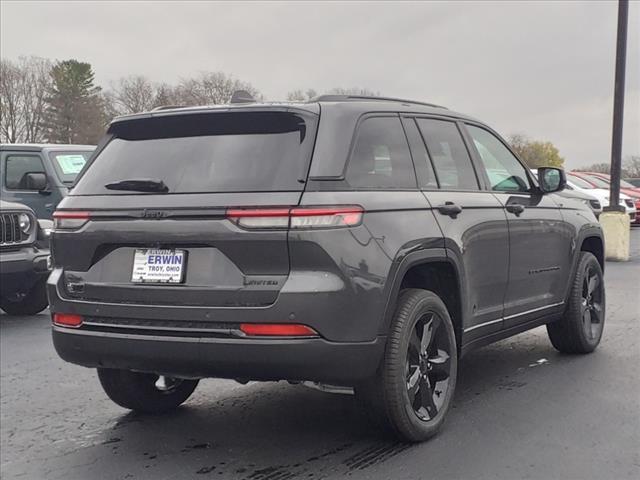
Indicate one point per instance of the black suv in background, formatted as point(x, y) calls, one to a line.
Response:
point(364, 242)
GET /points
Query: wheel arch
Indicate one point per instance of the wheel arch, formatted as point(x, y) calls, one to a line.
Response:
point(589, 240)
point(432, 270)
point(595, 245)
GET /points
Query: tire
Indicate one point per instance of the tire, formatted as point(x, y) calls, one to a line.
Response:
point(34, 302)
point(413, 389)
point(580, 329)
point(137, 391)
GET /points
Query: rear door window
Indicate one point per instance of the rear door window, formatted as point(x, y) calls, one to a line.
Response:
point(449, 155)
point(380, 158)
point(424, 169)
point(17, 168)
point(206, 153)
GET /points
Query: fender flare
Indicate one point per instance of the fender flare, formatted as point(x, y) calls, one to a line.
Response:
point(589, 231)
point(402, 265)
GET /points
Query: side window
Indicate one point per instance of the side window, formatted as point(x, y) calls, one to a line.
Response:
point(424, 169)
point(449, 155)
point(17, 168)
point(505, 172)
point(380, 158)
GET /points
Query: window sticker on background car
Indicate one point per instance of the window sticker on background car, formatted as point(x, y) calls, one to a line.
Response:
point(71, 164)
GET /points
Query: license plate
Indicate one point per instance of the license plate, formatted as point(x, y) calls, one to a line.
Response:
point(158, 266)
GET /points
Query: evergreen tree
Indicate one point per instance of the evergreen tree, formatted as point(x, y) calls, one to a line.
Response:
point(75, 108)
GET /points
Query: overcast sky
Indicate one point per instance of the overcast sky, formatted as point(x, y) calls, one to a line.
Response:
point(543, 69)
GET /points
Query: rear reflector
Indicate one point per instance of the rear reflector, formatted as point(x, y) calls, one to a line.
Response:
point(297, 218)
point(69, 220)
point(67, 320)
point(277, 330)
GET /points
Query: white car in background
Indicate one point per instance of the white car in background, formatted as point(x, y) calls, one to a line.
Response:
point(578, 184)
point(592, 201)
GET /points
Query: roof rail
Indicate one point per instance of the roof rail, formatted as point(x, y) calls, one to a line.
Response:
point(167, 107)
point(348, 98)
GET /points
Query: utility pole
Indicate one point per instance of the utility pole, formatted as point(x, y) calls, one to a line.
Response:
point(618, 105)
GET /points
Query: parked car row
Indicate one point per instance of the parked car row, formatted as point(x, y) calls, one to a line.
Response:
point(599, 184)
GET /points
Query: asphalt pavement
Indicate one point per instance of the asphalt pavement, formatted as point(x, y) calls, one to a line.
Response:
point(521, 411)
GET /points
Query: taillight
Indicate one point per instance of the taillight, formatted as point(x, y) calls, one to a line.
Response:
point(297, 217)
point(326, 217)
point(69, 220)
point(259, 217)
point(67, 320)
point(277, 330)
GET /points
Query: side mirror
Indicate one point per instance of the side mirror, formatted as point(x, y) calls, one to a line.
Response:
point(551, 179)
point(35, 181)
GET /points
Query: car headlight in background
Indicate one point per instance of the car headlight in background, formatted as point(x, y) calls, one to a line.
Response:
point(24, 221)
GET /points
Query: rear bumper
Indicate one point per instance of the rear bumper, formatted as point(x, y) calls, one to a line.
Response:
point(21, 269)
point(196, 357)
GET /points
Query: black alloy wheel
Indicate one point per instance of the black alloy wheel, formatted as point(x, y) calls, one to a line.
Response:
point(428, 370)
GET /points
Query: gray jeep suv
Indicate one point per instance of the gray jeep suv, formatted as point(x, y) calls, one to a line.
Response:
point(362, 242)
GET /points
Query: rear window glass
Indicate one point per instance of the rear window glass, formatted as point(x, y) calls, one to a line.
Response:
point(69, 164)
point(203, 153)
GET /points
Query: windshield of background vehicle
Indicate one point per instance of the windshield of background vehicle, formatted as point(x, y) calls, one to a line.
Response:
point(206, 153)
point(68, 164)
point(579, 182)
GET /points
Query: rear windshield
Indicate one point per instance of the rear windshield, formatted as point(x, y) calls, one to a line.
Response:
point(69, 164)
point(203, 153)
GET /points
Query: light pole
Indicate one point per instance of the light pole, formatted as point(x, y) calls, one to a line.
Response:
point(618, 106)
point(615, 222)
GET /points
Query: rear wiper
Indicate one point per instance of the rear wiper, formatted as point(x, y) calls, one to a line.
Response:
point(139, 185)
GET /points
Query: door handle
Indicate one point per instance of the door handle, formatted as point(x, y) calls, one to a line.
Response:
point(450, 208)
point(515, 208)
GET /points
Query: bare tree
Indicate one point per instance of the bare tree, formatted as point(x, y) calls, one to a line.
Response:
point(11, 123)
point(210, 88)
point(132, 95)
point(632, 166)
point(365, 92)
point(301, 96)
point(23, 87)
point(166, 95)
point(596, 168)
point(36, 82)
